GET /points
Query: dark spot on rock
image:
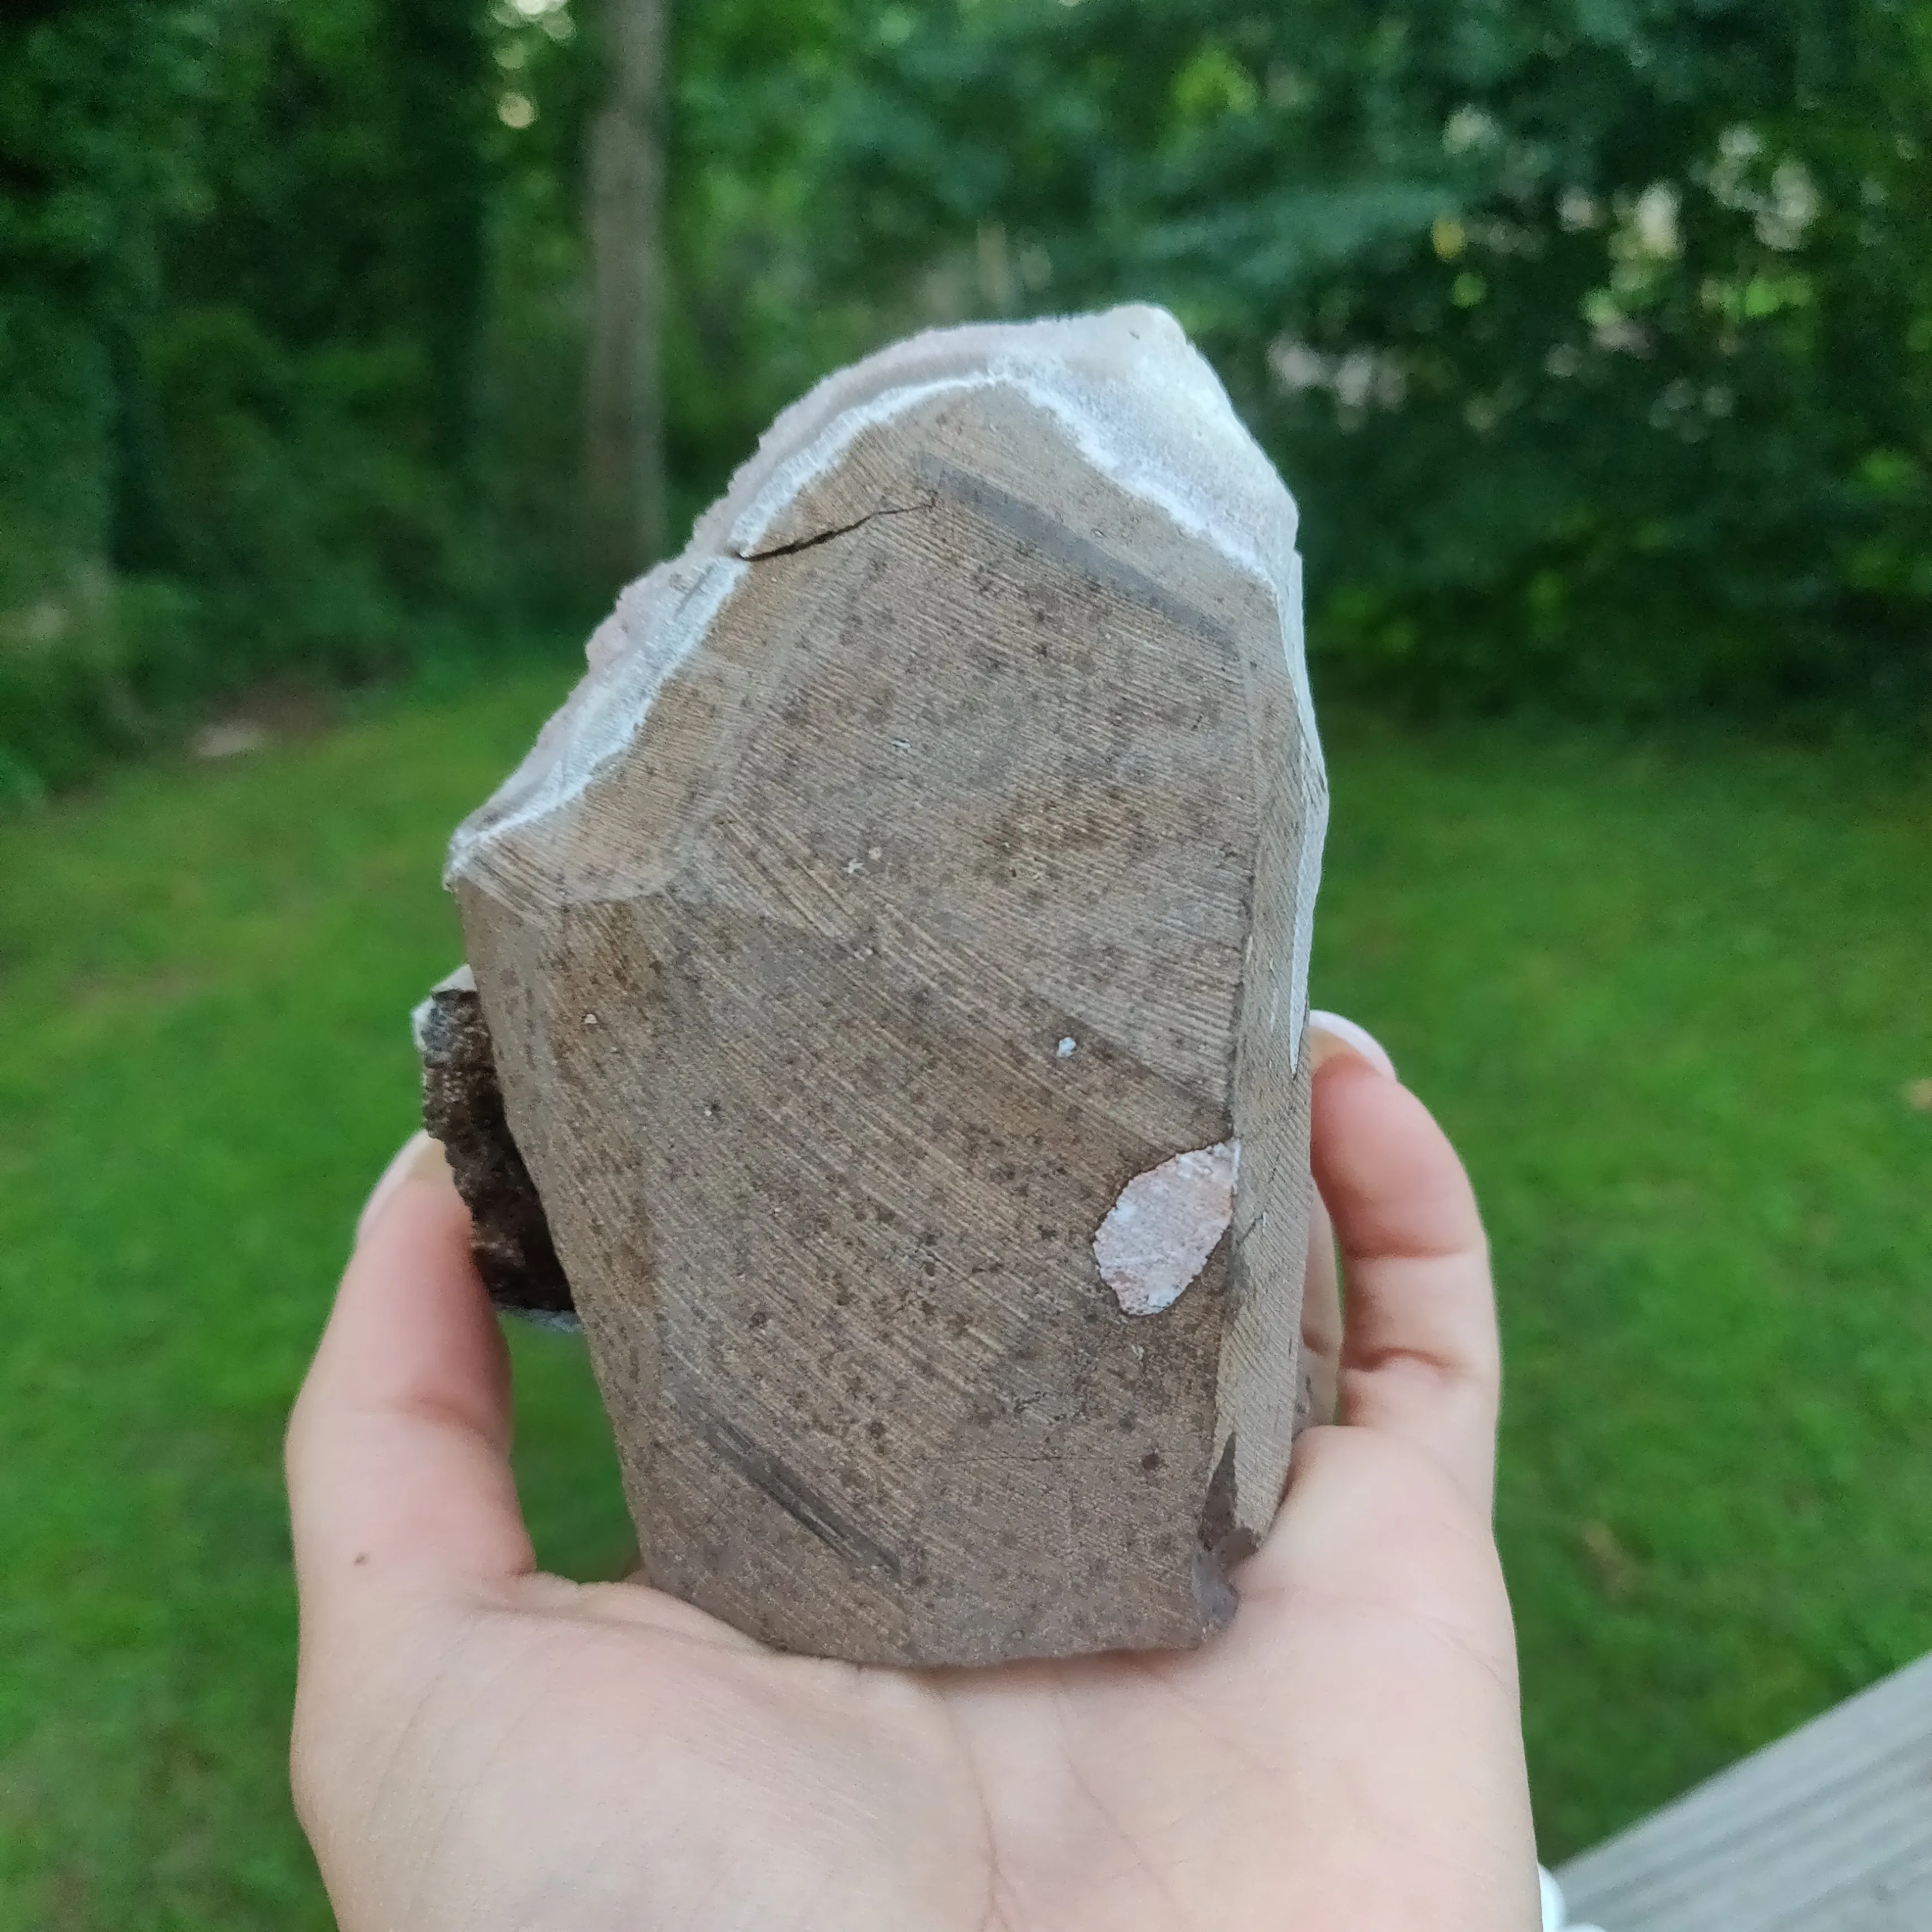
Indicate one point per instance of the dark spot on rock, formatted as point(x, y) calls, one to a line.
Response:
point(1222, 1540)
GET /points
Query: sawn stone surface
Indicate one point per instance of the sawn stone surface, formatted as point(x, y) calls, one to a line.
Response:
point(928, 853)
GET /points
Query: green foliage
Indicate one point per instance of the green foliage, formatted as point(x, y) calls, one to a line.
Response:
point(245, 254)
point(54, 441)
point(1716, 1462)
point(89, 114)
point(1595, 335)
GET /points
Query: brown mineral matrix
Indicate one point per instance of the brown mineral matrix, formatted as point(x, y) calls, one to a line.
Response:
point(894, 957)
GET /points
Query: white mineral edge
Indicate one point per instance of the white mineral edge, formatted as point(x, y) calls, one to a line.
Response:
point(1142, 405)
point(610, 702)
point(1156, 1237)
point(462, 980)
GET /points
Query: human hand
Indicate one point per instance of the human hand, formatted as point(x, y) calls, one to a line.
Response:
point(480, 1746)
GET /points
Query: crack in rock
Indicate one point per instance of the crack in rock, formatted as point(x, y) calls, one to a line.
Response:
point(798, 543)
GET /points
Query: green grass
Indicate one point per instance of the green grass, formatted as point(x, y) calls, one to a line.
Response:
point(1673, 1006)
point(1668, 1002)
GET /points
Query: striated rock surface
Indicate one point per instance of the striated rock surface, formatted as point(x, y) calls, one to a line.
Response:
point(925, 864)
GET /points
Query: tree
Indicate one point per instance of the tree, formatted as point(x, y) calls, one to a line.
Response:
point(624, 476)
point(1593, 338)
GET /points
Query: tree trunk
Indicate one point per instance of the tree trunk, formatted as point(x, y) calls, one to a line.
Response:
point(441, 89)
point(624, 404)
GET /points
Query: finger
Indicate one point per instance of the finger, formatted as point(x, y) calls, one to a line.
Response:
point(1321, 1317)
point(398, 1450)
point(1328, 1034)
point(1419, 1357)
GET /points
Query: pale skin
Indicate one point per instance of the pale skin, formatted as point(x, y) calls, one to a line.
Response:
point(479, 1745)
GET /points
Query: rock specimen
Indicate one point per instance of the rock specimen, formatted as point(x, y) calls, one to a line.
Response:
point(893, 959)
point(463, 1107)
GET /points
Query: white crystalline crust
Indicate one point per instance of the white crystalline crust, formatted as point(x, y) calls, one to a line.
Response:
point(657, 622)
point(1139, 402)
point(1157, 1237)
point(460, 981)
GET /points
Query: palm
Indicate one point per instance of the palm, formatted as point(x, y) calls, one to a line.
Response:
point(551, 1754)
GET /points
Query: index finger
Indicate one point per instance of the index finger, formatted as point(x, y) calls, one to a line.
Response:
point(398, 1449)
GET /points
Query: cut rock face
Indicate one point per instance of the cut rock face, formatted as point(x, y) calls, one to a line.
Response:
point(929, 854)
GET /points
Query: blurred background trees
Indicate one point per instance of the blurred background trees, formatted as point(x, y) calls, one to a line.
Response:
point(1594, 336)
point(623, 408)
point(1595, 339)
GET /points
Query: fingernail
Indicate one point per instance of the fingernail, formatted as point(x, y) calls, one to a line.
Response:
point(419, 1158)
point(1329, 1034)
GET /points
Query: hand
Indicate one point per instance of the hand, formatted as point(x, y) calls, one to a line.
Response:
point(480, 1746)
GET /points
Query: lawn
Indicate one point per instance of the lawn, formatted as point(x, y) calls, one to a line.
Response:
point(1672, 1003)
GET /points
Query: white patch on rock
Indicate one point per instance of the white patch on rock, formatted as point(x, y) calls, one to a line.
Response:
point(659, 621)
point(1158, 1235)
point(460, 981)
